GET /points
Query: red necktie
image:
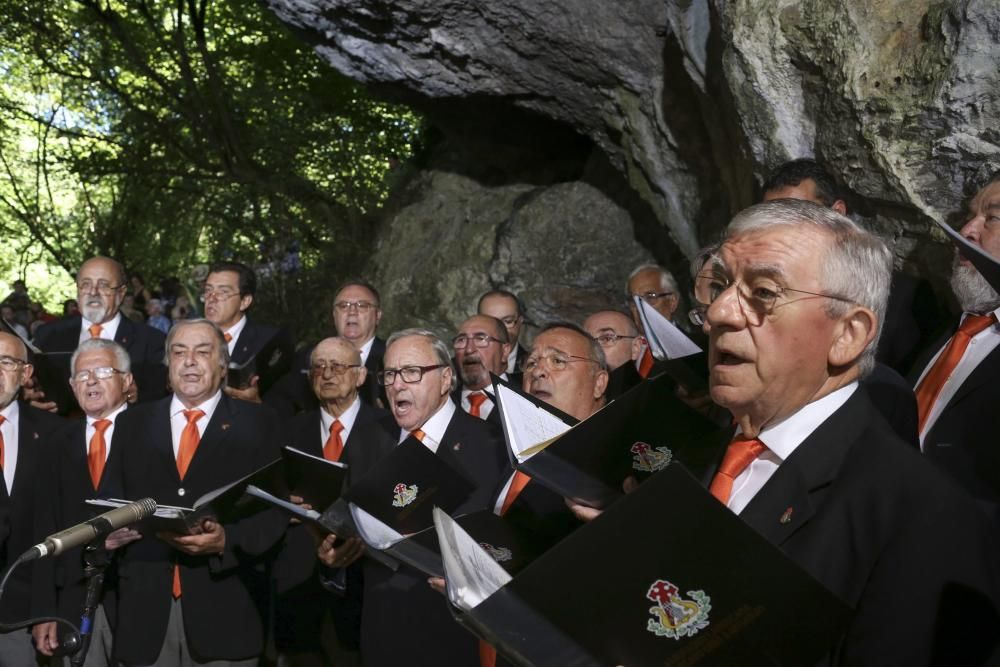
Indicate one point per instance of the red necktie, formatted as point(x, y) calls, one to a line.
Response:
point(185, 452)
point(334, 446)
point(646, 363)
point(228, 337)
point(740, 454)
point(95, 330)
point(935, 379)
point(98, 451)
point(2, 420)
point(476, 399)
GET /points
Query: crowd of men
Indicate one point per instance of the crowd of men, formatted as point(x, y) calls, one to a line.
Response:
point(884, 489)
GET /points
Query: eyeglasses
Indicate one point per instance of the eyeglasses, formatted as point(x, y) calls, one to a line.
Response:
point(102, 287)
point(213, 294)
point(610, 338)
point(321, 367)
point(554, 362)
point(410, 374)
point(758, 299)
point(653, 298)
point(102, 373)
point(461, 341)
point(10, 363)
point(361, 306)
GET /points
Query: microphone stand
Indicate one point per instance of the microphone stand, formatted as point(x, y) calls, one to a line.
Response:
point(97, 559)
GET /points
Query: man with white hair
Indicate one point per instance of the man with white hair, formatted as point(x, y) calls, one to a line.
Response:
point(957, 391)
point(792, 303)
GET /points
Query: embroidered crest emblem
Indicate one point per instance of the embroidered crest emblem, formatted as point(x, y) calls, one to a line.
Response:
point(404, 495)
point(499, 554)
point(647, 459)
point(674, 616)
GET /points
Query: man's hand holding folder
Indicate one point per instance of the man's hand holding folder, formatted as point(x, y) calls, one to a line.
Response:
point(210, 539)
point(335, 555)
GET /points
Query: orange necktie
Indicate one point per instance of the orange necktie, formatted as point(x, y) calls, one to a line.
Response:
point(418, 434)
point(98, 451)
point(334, 446)
point(646, 363)
point(516, 486)
point(95, 330)
point(228, 337)
point(185, 452)
point(740, 454)
point(2, 420)
point(476, 399)
point(934, 380)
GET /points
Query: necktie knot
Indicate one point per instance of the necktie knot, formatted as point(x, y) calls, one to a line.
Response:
point(975, 324)
point(95, 330)
point(740, 454)
point(476, 400)
point(101, 425)
point(2, 419)
point(193, 415)
point(418, 434)
point(334, 447)
point(336, 427)
point(228, 337)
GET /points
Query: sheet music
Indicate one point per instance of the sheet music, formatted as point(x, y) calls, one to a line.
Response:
point(665, 340)
point(471, 574)
point(526, 425)
point(375, 534)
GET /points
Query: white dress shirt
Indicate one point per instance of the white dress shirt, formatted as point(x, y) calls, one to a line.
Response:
point(346, 420)
point(234, 333)
point(781, 440)
point(434, 427)
point(108, 329)
point(366, 350)
point(178, 421)
point(486, 407)
point(108, 432)
point(9, 428)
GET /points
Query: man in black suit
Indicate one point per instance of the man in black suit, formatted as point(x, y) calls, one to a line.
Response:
point(481, 347)
point(623, 346)
point(25, 433)
point(101, 287)
point(76, 462)
point(507, 307)
point(200, 598)
point(403, 619)
point(958, 397)
point(356, 314)
point(792, 313)
point(329, 432)
point(228, 294)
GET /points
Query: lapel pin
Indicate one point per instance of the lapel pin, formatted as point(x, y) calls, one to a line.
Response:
point(225, 426)
point(786, 517)
point(457, 446)
point(34, 435)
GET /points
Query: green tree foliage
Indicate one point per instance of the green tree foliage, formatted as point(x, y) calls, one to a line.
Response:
point(173, 133)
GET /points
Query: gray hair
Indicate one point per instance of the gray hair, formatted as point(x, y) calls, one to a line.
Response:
point(123, 361)
point(441, 350)
point(180, 324)
point(857, 265)
point(668, 278)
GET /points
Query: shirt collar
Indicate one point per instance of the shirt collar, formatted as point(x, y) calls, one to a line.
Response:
point(111, 417)
point(436, 425)
point(235, 330)
point(347, 419)
point(208, 407)
point(11, 412)
point(366, 349)
point(109, 328)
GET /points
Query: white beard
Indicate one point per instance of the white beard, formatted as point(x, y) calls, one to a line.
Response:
point(974, 294)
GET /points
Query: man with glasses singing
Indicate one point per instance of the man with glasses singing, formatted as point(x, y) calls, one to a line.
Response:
point(623, 346)
point(75, 463)
point(507, 307)
point(333, 431)
point(228, 293)
point(101, 286)
point(403, 620)
point(792, 303)
point(481, 348)
point(25, 432)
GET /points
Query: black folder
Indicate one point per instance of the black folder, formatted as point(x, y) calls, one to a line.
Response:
point(590, 461)
point(667, 576)
point(317, 481)
point(239, 375)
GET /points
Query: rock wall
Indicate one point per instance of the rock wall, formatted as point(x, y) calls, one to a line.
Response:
point(670, 110)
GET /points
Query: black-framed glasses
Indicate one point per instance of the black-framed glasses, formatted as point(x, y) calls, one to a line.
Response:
point(102, 373)
point(217, 294)
point(104, 287)
point(479, 340)
point(610, 338)
point(10, 363)
point(758, 298)
point(321, 367)
point(360, 306)
point(410, 374)
point(554, 362)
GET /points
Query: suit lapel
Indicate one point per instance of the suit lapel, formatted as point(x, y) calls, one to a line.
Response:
point(985, 372)
point(245, 344)
point(215, 434)
point(125, 334)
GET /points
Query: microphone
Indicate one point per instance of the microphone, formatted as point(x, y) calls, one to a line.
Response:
point(88, 531)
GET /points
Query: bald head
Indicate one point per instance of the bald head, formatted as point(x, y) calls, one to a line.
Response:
point(336, 372)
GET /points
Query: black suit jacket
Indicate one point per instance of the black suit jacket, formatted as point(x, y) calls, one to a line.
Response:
point(143, 342)
point(293, 393)
point(403, 619)
point(962, 441)
point(272, 347)
point(888, 534)
point(60, 585)
point(35, 435)
point(223, 596)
